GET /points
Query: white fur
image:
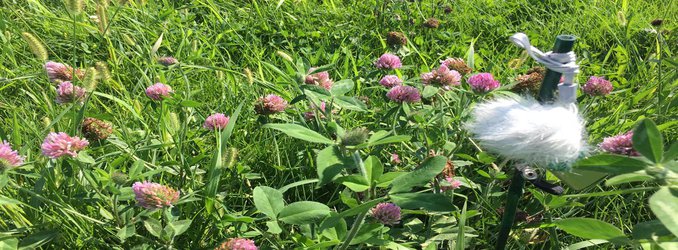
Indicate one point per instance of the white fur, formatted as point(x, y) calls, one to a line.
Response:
point(527, 131)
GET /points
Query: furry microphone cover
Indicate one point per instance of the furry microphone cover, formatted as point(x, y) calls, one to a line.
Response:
point(522, 129)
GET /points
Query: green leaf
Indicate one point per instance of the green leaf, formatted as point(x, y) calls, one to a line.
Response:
point(647, 140)
point(429, 91)
point(4, 200)
point(427, 201)
point(126, 232)
point(630, 177)
point(342, 87)
point(333, 227)
point(297, 183)
point(190, 104)
point(616, 164)
point(672, 153)
point(664, 204)
point(460, 244)
point(330, 163)
point(299, 132)
point(374, 169)
point(357, 183)
point(390, 139)
point(9, 243)
point(273, 227)
point(350, 103)
point(387, 178)
point(303, 212)
point(649, 230)
point(367, 232)
point(362, 207)
point(35, 240)
point(419, 177)
point(268, 201)
point(228, 131)
point(153, 226)
point(180, 226)
point(589, 228)
point(84, 157)
point(585, 244)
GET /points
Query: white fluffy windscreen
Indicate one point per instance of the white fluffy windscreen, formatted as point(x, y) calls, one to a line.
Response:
point(524, 130)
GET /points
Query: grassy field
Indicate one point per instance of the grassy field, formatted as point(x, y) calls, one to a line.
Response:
point(249, 180)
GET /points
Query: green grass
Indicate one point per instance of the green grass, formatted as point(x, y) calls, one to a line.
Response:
point(74, 204)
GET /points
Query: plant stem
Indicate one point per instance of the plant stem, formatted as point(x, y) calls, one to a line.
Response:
point(354, 230)
point(514, 193)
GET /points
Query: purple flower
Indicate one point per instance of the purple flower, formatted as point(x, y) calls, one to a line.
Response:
point(270, 104)
point(390, 81)
point(483, 82)
point(58, 72)
point(167, 60)
point(152, 195)
point(386, 213)
point(238, 244)
point(404, 94)
point(457, 64)
point(67, 93)
point(395, 158)
point(453, 184)
point(216, 121)
point(158, 91)
point(9, 158)
point(442, 76)
point(597, 86)
point(388, 61)
point(60, 144)
point(620, 144)
point(321, 79)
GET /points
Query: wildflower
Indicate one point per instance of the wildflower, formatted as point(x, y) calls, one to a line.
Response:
point(597, 86)
point(432, 23)
point(152, 195)
point(620, 144)
point(237, 244)
point(67, 93)
point(270, 104)
point(167, 60)
point(158, 91)
point(453, 184)
point(404, 94)
point(60, 144)
point(94, 129)
point(395, 38)
point(355, 137)
point(321, 79)
point(483, 82)
point(9, 158)
point(457, 64)
point(386, 213)
point(531, 81)
point(388, 61)
point(395, 158)
point(58, 72)
point(390, 81)
point(216, 121)
point(442, 77)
